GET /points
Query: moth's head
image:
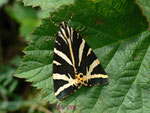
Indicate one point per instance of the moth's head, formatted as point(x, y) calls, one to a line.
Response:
point(63, 24)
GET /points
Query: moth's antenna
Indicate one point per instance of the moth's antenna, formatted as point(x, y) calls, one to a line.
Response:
point(81, 29)
point(53, 22)
point(71, 18)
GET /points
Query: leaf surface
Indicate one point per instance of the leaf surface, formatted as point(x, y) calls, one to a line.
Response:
point(47, 4)
point(117, 32)
point(145, 6)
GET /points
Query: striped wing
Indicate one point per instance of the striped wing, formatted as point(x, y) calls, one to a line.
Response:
point(74, 63)
point(87, 63)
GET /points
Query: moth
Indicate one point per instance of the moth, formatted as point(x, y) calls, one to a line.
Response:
point(74, 63)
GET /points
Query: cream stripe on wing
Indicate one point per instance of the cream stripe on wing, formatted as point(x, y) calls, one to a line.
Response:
point(62, 55)
point(89, 52)
point(77, 35)
point(81, 51)
point(57, 42)
point(68, 31)
point(71, 53)
point(92, 66)
point(72, 34)
point(62, 77)
point(57, 63)
point(57, 76)
point(63, 31)
point(59, 33)
point(96, 76)
point(62, 88)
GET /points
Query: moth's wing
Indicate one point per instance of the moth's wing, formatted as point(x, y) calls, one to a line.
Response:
point(95, 73)
point(87, 62)
point(71, 53)
point(63, 71)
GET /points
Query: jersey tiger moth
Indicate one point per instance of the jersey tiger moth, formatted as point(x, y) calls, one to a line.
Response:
point(74, 63)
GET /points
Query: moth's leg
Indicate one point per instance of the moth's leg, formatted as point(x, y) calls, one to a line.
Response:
point(53, 38)
point(81, 29)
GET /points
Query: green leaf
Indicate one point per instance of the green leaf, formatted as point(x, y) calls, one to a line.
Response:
point(7, 83)
point(38, 59)
point(127, 64)
point(47, 4)
point(145, 6)
point(44, 14)
point(25, 16)
point(117, 32)
point(2, 2)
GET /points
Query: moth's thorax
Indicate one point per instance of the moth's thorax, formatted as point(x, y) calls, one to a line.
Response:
point(81, 80)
